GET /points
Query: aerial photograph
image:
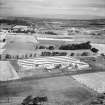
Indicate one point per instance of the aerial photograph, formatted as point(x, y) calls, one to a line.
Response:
point(52, 52)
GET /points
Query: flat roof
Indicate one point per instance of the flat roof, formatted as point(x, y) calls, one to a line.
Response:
point(49, 60)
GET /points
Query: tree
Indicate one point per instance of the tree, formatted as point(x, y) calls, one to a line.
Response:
point(26, 56)
point(94, 50)
point(42, 47)
point(46, 54)
point(84, 54)
point(102, 54)
point(63, 53)
point(72, 54)
point(51, 48)
point(0, 57)
point(17, 57)
point(7, 56)
point(4, 40)
point(30, 55)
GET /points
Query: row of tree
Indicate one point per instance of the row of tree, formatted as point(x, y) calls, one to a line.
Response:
point(25, 56)
point(53, 53)
point(69, 46)
point(14, 22)
point(45, 53)
point(51, 33)
point(44, 47)
point(75, 46)
point(20, 31)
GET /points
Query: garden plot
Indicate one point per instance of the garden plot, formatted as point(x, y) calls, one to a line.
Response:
point(95, 81)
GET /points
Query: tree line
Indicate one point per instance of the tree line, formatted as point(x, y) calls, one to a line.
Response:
point(75, 46)
point(53, 53)
point(24, 56)
point(14, 22)
point(81, 46)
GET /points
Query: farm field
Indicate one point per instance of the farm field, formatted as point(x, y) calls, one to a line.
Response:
point(7, 71)
point(95, 81)
point(59, 90)
point(20, 46)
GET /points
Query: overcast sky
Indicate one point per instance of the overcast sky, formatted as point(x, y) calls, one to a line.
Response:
point(53, 8)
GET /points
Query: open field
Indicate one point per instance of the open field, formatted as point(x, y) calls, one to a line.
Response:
point(95, 81)
point(59, 90)
point(20, 46)
point(7, 71)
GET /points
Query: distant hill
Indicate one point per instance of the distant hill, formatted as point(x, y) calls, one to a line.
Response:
point(66, 22)
point(14, 21)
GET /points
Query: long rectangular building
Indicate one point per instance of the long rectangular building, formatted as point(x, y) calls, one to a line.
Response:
point(31, 63)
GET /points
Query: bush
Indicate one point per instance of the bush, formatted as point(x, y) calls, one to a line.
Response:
point(4, 40)
point(94, 50)
point(84, 54)
point(51, 47)
point(7, 56)
point(42, 47)
point(72, 54)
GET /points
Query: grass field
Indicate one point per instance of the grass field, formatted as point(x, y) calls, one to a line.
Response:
point(59, 90)
point(95, 81)
point(20, 46)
